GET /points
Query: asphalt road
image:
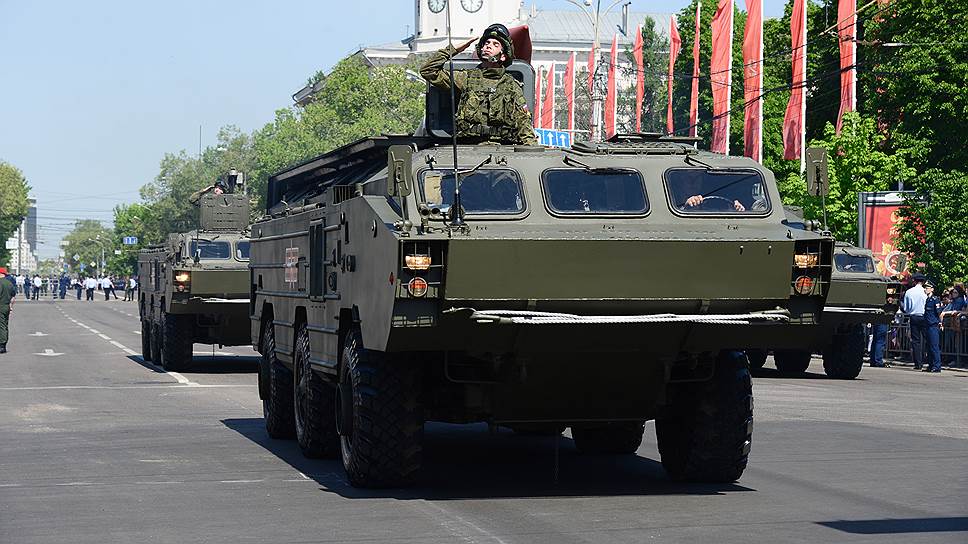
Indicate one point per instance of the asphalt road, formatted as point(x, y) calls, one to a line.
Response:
point(97, 446)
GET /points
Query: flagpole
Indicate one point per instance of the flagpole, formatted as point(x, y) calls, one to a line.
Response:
point(760, 69)
point(803, 96)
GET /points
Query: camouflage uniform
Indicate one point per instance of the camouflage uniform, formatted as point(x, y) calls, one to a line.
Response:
point(7, 292)
point(491, 108)
point(196, 197)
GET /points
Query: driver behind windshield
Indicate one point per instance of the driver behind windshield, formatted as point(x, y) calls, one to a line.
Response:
point(702, 196)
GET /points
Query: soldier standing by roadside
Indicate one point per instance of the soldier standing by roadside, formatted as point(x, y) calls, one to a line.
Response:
point(8, 291)
point(492, 106)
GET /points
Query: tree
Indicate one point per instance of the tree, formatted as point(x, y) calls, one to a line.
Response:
point(87, 240)
point(856, 164)
point(917, 86)
point(655, 65)
point(932, 227)
point(13, 203)
point(130, 220)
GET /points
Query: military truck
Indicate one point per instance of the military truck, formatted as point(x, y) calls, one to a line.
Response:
point(194, 288)
point(858, 296)
point(537, 289)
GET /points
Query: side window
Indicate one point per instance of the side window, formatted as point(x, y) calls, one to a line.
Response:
point(317, 259)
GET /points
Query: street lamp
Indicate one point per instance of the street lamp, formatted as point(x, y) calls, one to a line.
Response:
point(97, 240)
point(594, 18)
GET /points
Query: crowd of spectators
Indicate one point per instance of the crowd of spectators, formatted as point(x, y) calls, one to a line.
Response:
point(37, 287)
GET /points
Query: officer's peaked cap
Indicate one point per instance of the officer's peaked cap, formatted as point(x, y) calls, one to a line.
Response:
point(500, 33)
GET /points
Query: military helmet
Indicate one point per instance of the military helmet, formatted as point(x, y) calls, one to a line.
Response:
point(500, 33)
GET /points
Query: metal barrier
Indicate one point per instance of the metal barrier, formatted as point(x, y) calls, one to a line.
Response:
point(954, 340)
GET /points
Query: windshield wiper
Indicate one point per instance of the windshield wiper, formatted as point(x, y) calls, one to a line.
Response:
point(571, 161)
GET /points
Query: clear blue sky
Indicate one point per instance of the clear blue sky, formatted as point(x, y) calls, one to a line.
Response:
point(93, 94)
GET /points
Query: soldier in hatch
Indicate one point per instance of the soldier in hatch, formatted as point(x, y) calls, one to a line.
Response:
point(492, 106)
point(218, 188)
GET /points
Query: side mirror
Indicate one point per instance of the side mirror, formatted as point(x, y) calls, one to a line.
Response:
point(399, 171)
point(818, 183)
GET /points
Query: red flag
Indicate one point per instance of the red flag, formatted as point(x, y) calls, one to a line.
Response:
point(569, 84)
point(537, 99)
point(521, 40)
point(847, 23)
point(793, 121)
point(694, 96)
point(548, 105)
point(720, 72)
point(674, 46)
point(753, 80)
point(639, 78)
point(611, 96)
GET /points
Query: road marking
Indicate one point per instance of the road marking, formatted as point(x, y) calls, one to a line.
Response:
point(104, 336)
point(240, 481)
point(136, 332)
point(38, 333)
point(49, 353)
point(158, 386)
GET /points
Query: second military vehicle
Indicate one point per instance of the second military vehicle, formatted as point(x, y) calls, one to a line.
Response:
point(858, 296)
point(194, 288)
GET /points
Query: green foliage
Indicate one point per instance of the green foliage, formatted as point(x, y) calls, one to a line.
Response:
point(919, 88)
point(856, 164)
point(13, 204)
point(655, 65)
point(932, 227)
point(86, 241)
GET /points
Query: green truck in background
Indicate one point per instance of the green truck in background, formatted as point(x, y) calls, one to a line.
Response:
point(194, 288)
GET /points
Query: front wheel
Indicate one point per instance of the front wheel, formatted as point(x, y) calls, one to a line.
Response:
point(844, 357)
point(379, 417)
point(706, 430)
point(176, 342)
point(145, 340)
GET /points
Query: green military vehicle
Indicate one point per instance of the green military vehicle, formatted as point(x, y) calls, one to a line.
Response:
point(568, 288)
point(858, 296)
point(194, 288)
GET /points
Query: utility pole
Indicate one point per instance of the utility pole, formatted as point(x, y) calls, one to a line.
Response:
point(597, 98)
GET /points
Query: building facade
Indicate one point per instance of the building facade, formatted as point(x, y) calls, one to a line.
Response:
point(23, 251)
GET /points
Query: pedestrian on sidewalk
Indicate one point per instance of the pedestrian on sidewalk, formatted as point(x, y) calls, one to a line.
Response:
point(913, 307)
point(8, 291)
point(932, 322)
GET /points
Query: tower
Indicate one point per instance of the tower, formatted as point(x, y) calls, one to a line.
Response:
point(468, 18)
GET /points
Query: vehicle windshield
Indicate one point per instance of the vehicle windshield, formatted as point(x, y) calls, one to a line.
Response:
point(494, 191)
point(242, 250)
point(711, 191)
point(208, 249)
point(601, 192)
point(858, 264)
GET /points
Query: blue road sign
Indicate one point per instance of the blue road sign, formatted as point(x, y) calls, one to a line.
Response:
point(130, 240)
point(553, 138)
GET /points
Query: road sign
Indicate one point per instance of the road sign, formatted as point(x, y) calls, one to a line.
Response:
point(553, 138)
point(93, 264)
point(130, 240)
point(11, 244)
point(117, 251)
point(76, 257)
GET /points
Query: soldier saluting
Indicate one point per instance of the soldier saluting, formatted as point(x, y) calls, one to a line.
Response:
point(492, 106)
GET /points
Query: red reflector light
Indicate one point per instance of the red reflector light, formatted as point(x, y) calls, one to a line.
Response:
point(803, 285)
point(417, 287)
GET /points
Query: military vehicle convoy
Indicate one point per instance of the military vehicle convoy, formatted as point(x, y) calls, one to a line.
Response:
point(194, 288)
point(585, 288)
point(858, 296)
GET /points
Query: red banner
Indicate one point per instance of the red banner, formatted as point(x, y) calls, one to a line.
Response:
point(846, 33)
point(611, 96)
point(548, 105)
point(753, 81)
point(674, 46)
point(793, 121)
point(569, 84)
point(639, 78)
point(694, 95)
point(720, 72)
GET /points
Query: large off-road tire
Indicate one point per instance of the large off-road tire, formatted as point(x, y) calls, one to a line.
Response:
point(275, 388)
point(844, 357)
point(176, 342)
point(756, 358)
point(379, 415)
point(145, 339)
point(706, 430)
point(620, 437)
point(792, 361)
point(155, 343)
point(314, 405)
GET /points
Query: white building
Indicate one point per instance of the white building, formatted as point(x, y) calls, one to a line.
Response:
point(22, 257)
point(555, 34)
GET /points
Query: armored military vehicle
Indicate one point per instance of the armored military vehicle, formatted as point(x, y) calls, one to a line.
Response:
point(586, 288)
point(194, 288)
point(858, 296)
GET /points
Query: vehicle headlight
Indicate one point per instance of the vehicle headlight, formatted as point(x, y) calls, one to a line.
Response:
point(417, 262)
point(806, 260)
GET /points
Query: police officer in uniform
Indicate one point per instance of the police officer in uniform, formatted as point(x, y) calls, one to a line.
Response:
point(492, 108)
point(932, 321)
point(7, 293)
